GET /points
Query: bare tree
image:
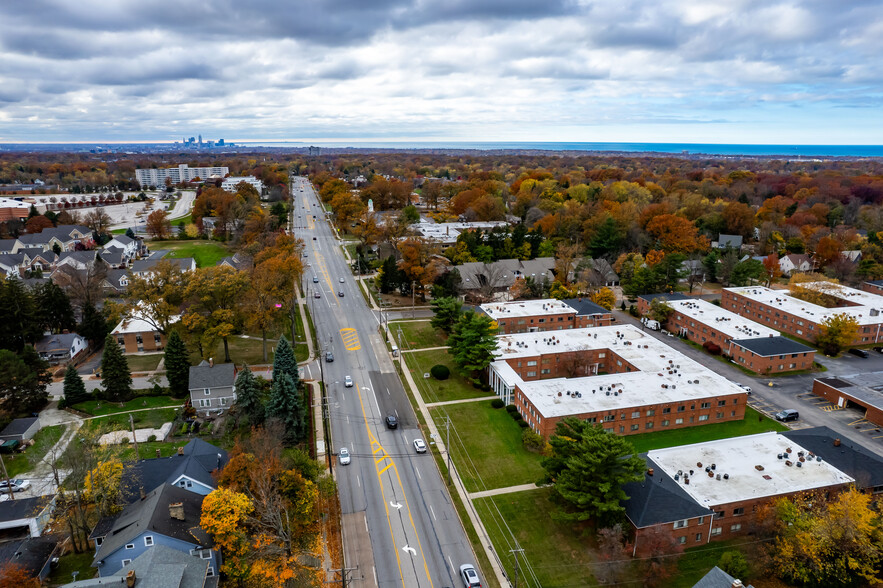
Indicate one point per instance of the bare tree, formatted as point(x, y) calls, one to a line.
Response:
point(85, 285)
point(98, 220)
point(612, 555)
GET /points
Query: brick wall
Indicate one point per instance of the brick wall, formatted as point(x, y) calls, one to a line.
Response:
point(131, 344)
point(872, 288)
point(546, 322)
point(833, 395)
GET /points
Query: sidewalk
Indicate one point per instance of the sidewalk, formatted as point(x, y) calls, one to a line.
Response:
point(507, 490)
point(447, 402)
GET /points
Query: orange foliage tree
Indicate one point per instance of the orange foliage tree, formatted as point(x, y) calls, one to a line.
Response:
point(675, 234)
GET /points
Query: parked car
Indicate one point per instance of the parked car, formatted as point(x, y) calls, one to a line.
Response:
point(419, 446)
point(329, 357)
point(789, 414)
point(744, 387)
point(469, 576)
point(859, 353)
point(343, 456)
point(316, 294)
point(17, 485)
point(392, 422)
point(348, 382)
point(878, 349)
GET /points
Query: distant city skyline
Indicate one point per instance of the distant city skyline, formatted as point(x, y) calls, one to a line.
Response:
point(747, 71)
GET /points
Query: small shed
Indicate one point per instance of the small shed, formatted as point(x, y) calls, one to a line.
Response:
point(20, 430)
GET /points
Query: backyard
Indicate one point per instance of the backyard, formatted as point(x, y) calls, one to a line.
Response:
point(204, 251)
point(456, 387)
point(486, 445)
point(143, 363)
point(26, 461)
point(416, 334)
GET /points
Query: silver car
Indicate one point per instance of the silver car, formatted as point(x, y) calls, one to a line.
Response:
point(419, 446)
point(343, 456)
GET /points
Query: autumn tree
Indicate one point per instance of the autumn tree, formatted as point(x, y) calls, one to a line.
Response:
point(604, 297)
point(837, 332)
point(418, 264)
point(613, 557)
point(739, 219)
point(771, 268)
point(660, 310)
point(271, 291)
point(158, 225)
point(215, 294)
point(36, 224)
point(224, 516)
point(98, 221)
point(157, 296)
point(14, 575)
point(675, 234)
point(566, 255)
point(828, 250)
point(347, 207)
point(103, 486)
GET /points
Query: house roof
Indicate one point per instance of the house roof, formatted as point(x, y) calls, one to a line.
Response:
point(158, 567)
point(865, 466)
point(7, 245)
point(797, 258)
point(23, 508)
point(18, 427)
point(152, 514)
point(122, 239)
point(112, 256)
point(206, 376)
point(11, 260)
point(114, 279)
point(717, 578)
point(146, 265)
point(32, 553)
point(659, 499)
point(769, 346)
point(505, 271)
point(85, 257)
point(59, 342)
point(198, 462)
point(585, 307)
point(666, 296)
point(734, 241)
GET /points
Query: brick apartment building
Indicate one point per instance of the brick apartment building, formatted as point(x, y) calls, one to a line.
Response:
point(874, 287)
point(136, 335)
point(778, 310)
point(710, 491)
point(750, 344)
point(536, 316)
point(617, 376)
point(862, 391)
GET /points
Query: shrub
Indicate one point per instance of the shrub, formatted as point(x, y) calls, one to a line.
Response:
point(511, 408)
point(440, 372)
point(124, 441)
point(633, 310)
point(63, 402)
point(523, 425)
point(532, 441)
point(184, 429)
point(712, 348)
point(151, 439)
point(733, 563)
point(515, 415)
point(497, 403)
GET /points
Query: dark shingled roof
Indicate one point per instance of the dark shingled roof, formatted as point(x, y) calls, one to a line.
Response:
point(659, 499)
point(860, 463)
point(206, 376)
point(32, 554)
point(200, 459)
point(717, 578)
point(152, 514)
point(23, 508)
point(584, 307)
point(875, 282)
point(18, 427)
point(835, 382)
point(158, 567)
point(664, 296)
point(769, 346)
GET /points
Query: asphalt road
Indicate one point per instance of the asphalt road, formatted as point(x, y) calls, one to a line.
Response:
point(392, 498)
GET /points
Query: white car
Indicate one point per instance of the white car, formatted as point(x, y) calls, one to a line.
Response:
point(419, 445)
point(469, 576)
point(348, 382)
point(744, 387)
point(344, 456)
point(341, 280)
point(17, 485)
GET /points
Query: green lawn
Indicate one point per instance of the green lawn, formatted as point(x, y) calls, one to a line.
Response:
point(205, 252)
point(143, 363)
point(81, 562)
point(148, 450)
point(557, 553)
point(753, 423)
point(242, 351)
point(20, 463)
point(486, 446)
point(102, 407)
point(185, 219)
point(456, 387)
point(416, 335)
point(148, 419)
point(697, 561)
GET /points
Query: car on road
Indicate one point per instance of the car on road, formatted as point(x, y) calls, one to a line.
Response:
point(744, 387)
point(859, 353)
point(317, 295)
point(314, 238)
point(315, 279)
point(341, 280)
point(17, 485)
point(348, 382)
point(469, 576)
point(329, 357)
point(419, 446)
point(878, 349)
point(343, 456)
point(392, 422)
point(340, 293)
point(789, 414)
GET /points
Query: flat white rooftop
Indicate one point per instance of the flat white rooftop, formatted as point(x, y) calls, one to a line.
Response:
point(450, 231)
point(741, 460)
point(138, 324)
point(503, 310)
point(664, 375)
point(815, 313)
point(729, 323)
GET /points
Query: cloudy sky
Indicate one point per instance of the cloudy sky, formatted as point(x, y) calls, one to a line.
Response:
point(706, 71)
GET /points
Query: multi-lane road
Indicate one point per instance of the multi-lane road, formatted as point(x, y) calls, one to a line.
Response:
point(400, 528)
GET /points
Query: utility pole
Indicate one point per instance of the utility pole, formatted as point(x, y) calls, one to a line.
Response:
point(515, 552)
point(344, 572)
point(6, 477)
point(412, 297)
point(448, 445)
point(134, 440)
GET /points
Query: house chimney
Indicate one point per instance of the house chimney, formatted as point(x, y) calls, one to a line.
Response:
point(180, 450)
point(737, 584)
point(176, 510)
point(158, 453)
point(130, 579)
point(211, 362)
point(836, 442)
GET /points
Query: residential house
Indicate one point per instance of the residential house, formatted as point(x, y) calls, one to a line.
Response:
point(127, 245)
point(67, 237)
point(212, 387)
point(479, 278)
point(10, 245)
point(20, 429)
point(78, 260)
point(191, 468)
point(116, 282)
point(33, 555)
point(25, 517)
point(596, 272)
point(37, 259)
point(114, 258)
point(136, 334)
point(728, 242)
point(694, 270)
point(12, 264)
point(168, 516)
point(717, 578)
point(160, 567)
point(144, 267)
point(854, 255)
point(239, 261)
point(61, 348)
point(795, 263)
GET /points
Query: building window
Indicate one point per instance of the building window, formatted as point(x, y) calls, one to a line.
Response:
point(701, 520)
point(679, 421)
point(680, 524)
point(99, 541)
point(130, 546)
point(705, 405)
point(719, 514)
point(210, 573)
point(698, 537)
point(665, 422)
point(205, 554)
point(651, 412)
point(205, 402)
point(682, 540)
point(545, 371)
point(716, 531)
point(666, 410)
point(721, 402)
point(649, 425)
point(682, 408)
point(635, 427)
point(610, 417)
point(531, 363)
point(126, 562)
point(703, 417)
point(206, 391)
point(720, 415)
point(636, 414)
point(531, 374)
point(735, 527)
point(148, 540)
point(738, 511)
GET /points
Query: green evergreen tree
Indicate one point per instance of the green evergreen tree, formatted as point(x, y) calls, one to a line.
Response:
point(607, 240)
point(285, 404)
point(248, 396)
point(93, 327)
point(54, 308)
point(588, 468)
point(284, 361)
point(130, 233)
point(22, 388)
point(177, 362)
point(19, 323)
point(115, 374)
point(74, 389)
point(389, 275)
point(473, 342)
point(447, 313)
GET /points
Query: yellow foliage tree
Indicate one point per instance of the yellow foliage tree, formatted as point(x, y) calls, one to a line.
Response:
point(103, 485)
point(224, 515)
point(604, 297)
point(837, 332)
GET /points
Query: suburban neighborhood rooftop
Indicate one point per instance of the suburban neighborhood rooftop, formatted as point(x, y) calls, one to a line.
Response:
point(523, 308)
point(729, 323)
point(866, 307)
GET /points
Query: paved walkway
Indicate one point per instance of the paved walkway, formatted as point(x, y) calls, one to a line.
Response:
point(447, 402)
point(423, 349)
point(507, 490)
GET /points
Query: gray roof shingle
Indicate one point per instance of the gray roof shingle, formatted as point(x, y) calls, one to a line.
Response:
point(769, 346)
point(659, 499)
point(198, 462)
point(206, 376)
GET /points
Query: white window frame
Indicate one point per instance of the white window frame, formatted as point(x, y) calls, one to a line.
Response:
point(126, 562)
point(205, 554)
point(148, 541)
point(130, 546)
point(210, 573)
point(206, 391)
point(681, 524)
